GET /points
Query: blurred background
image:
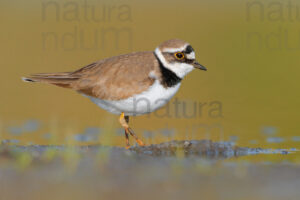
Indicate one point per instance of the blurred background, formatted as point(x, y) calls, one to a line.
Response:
point(249, 95)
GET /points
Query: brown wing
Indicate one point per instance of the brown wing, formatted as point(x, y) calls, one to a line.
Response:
point(116, 78)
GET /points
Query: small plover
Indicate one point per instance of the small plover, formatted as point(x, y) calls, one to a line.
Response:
point(131, 84)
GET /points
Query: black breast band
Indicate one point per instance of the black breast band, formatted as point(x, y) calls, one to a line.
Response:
point(169, 78)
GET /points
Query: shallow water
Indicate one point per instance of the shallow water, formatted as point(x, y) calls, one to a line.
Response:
point(173, 170)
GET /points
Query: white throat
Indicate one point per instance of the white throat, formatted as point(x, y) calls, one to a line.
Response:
point(180, 69)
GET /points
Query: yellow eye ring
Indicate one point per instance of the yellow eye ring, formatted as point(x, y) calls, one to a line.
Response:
point(179, 55)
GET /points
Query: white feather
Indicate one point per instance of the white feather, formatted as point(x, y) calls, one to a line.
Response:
point(148, 101)
point(152, 75)
point(191, 55)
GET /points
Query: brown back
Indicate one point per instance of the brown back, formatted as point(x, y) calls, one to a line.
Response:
point(118, 77)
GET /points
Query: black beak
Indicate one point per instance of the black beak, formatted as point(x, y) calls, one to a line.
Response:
point(199, 66)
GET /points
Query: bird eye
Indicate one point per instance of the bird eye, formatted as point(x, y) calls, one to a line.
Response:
point(179, 55)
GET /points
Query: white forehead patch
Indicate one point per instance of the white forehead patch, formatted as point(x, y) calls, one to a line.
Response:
point(191, 55)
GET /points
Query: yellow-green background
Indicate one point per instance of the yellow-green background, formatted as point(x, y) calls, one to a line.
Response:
point(257, 85)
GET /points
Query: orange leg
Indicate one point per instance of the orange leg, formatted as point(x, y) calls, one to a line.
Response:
point(124, 120)
point(127, 139)
point(140, 142)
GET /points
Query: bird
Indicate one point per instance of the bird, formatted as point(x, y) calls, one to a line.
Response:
point(130, 84)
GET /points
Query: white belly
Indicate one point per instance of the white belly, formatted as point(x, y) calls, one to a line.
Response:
point(148, 101)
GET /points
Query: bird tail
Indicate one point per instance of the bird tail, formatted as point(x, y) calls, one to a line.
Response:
point(64, 79)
